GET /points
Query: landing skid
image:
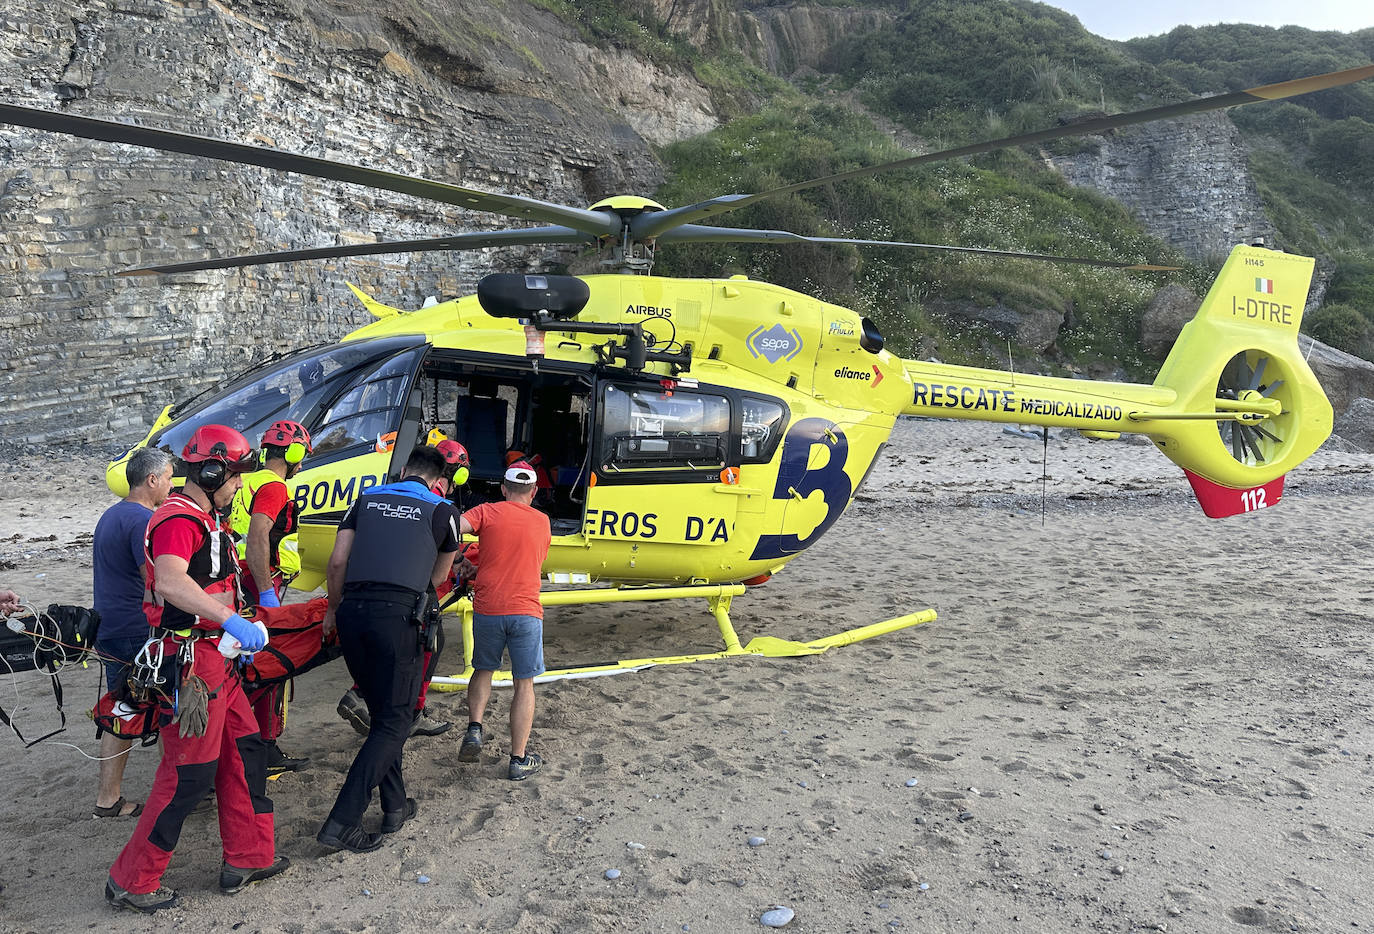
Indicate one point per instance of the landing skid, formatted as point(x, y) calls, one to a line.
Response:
point(717, 596)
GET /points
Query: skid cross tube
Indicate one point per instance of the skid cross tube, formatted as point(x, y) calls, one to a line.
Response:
point(718, 597)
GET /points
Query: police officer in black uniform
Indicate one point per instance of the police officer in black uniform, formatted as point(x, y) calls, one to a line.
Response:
point(394, 546)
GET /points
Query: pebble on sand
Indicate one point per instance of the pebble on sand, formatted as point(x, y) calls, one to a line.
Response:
point(423, 880)
point(965, 815)
point(612, 873)
point(911, 783)
point(924, 886)
point(757, 841)
point(779, 916)
point(634, 846)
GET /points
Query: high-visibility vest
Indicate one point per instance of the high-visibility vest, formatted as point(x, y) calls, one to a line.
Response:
point(240, 516)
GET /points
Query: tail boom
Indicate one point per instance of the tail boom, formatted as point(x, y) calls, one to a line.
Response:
point(1235, 403)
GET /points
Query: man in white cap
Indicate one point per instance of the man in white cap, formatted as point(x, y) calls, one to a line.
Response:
point(507, 613)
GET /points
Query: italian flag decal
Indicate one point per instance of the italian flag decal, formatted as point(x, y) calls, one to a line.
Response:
point(1264, 285)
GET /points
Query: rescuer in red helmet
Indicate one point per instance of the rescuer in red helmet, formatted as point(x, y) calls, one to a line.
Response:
point(456, 457)
point(263, 516)
point(264, 513)
point(212, 741)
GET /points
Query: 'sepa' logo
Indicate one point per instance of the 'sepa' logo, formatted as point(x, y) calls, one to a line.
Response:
point(774, 344)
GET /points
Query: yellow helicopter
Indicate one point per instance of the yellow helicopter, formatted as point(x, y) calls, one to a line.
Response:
point(695, 435)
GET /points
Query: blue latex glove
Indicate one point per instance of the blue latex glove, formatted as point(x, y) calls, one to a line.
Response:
point(268, 598)
point(249, 636)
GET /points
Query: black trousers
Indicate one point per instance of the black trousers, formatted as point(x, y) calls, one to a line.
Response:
point(384, 656)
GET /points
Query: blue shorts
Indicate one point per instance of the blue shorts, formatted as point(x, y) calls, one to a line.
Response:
point(523, 635)
point(123, 648)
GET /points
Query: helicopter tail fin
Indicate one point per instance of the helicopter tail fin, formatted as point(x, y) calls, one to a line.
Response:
point(1248, 408)
point(377, 309)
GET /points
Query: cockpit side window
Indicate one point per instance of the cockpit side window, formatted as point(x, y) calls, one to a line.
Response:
point(369, 408)
point(302, 387)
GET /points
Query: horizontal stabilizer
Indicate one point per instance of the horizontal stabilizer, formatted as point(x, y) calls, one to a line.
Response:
point(377, 309)
point(1220, 501)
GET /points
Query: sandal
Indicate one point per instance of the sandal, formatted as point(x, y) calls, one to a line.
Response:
point(117, 809)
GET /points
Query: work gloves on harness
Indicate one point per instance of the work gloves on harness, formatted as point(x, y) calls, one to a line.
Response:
point(251, 636)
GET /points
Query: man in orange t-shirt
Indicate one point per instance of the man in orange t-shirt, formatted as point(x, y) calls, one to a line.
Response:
point(507, 613)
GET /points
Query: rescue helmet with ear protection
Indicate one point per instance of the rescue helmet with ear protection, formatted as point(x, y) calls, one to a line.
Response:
point(456, 456)
point(215, 451)
point(290, 435)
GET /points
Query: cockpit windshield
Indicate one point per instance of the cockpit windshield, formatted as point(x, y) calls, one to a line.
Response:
point(343, 393)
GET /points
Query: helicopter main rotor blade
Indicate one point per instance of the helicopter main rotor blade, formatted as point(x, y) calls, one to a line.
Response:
point(659, 222)
point(592, 222)
point(469, 241)
point(696, 233)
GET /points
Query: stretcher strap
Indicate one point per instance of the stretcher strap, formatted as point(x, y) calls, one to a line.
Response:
point(57, 696)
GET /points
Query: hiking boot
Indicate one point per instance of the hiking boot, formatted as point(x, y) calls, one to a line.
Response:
point(353, 709)
point(278, 761)
point(392, 821)
point(521, 769)
point(425, 725)
point(340, 836)
point(471, 749)
point(146, 902)
point(233, 880)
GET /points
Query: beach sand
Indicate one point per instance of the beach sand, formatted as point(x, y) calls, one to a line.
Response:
point(1127, 717)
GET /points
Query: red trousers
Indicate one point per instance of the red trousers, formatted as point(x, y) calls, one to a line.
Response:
point(228, 758)
point(268, 710)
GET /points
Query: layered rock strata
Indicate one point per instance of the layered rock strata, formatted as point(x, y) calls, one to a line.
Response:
point(499, 97)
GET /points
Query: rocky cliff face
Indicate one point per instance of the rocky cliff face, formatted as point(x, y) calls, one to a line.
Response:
point(499, 96)
point(796, 39)
point(783, 39)
point(1186, 179)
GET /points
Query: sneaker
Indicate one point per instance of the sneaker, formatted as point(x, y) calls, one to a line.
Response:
point(425, 725)
point(353, 709)
point(338, 836)
point(146, 902)
point(521, 769)
point(471, 749)
point(393, 821)
point(278, 761)
point(233, 880)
